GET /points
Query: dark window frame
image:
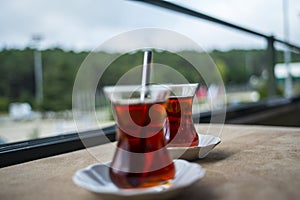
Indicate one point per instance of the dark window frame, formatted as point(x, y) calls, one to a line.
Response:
point(24, 151)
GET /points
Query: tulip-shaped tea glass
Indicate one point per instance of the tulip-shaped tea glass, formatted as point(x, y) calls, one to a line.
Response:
point(141, 158)
point(179, 127)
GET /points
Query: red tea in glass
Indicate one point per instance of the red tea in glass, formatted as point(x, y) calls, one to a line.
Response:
point(141, 159)
point(179, 127)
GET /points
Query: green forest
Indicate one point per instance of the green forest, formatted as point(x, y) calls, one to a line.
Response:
point(60, 68)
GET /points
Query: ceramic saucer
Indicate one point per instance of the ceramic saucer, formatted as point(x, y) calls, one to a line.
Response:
point(206, 144)
point(95, 178)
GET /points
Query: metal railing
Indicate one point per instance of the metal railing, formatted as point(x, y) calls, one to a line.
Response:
point(270, 39)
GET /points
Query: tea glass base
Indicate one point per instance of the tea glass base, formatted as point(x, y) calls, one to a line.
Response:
point(158, 188)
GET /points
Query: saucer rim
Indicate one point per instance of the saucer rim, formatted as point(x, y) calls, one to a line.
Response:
point(218, 141)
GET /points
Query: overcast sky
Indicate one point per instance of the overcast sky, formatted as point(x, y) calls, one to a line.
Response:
point(85, 24)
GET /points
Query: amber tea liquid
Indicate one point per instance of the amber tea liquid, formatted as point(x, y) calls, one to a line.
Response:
point(179, 128)
point(141, 151)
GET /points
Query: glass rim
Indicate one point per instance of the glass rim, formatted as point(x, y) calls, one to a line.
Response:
point(182, 90)
point(177, 85)
point(134, 88)
point(123, 94)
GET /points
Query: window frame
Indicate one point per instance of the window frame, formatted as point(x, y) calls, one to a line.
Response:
point(24, 151)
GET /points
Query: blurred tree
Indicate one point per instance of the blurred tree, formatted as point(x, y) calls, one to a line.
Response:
point(60, 68)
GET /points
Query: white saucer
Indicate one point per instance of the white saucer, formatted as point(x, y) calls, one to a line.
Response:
point(206, 144)
point(95, 178)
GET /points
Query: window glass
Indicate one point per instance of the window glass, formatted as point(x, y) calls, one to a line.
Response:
point(44, 43)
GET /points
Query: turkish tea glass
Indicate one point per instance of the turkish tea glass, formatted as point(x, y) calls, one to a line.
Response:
point(179, 128)
point(141, 159)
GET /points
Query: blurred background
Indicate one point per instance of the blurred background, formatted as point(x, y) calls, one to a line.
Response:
point(43, 43)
